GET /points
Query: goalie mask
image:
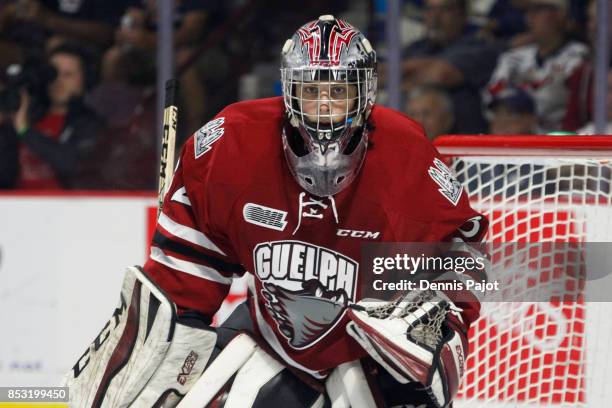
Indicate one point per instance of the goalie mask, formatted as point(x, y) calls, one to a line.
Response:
point(328, 74)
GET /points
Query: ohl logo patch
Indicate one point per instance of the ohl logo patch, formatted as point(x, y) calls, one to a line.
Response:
point(307, 288)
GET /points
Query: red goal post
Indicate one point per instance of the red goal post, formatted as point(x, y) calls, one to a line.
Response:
point(526, 145)
point(538, 189)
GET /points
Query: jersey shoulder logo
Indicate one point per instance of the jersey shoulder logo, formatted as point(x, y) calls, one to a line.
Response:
point(450, 188)
point(264, 216)
point(207, 135)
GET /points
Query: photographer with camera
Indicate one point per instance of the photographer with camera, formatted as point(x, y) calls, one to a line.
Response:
point(17, 82)
point(54, 128)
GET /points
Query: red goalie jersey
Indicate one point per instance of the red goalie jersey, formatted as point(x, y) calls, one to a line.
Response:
point(234, 208)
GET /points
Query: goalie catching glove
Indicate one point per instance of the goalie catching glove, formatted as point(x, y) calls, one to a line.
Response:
point(144, 356)
point(419, 337)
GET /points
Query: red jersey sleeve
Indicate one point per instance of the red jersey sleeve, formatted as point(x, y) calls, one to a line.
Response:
point(453, 220)
point(191, 259)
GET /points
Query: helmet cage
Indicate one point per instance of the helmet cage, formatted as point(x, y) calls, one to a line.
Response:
point(345, 110)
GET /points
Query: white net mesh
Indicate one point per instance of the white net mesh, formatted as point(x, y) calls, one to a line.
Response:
point(542, 354)
point(430, 308)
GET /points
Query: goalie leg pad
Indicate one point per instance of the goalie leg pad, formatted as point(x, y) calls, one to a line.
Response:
point(144, 355)
point(244, 375)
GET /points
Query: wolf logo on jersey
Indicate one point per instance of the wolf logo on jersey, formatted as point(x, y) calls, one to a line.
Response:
point(304, 315)
point(306, 288)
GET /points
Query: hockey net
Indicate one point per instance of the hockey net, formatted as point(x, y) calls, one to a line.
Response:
point(538, 189)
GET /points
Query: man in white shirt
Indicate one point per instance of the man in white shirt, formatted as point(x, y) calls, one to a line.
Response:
point(542, 68)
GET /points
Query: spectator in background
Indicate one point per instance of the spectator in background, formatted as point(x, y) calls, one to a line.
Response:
point(512, 112)
point(44, 24)
point(126, 157)
point(137, 36)
point(53, 143)
point(580, 100)
point(450, 57)
point(433, 108)
point(506, 23)
point(589, 129)
point(544, 67)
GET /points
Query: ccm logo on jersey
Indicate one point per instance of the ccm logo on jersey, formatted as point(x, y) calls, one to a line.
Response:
point(307, 288)
point(357, 234)
point(207, 135)
point(450, 188)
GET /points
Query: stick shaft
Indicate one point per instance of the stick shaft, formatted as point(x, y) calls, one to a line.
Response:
point(166, 163)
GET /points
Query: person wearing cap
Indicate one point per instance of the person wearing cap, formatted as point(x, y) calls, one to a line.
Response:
point(512, 112)
point(542, 68)
point(449, 56)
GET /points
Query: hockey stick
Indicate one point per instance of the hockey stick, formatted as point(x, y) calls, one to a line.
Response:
point(166, 163)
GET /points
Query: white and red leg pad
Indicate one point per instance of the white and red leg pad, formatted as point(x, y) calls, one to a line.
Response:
point(144, 356)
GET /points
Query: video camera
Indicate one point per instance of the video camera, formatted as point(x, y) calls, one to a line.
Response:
point(34, 76)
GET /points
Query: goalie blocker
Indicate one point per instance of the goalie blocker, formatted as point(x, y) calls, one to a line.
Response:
point(145, 355)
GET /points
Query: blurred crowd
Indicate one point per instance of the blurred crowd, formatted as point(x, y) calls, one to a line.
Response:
point(517, 67)
point(77, 77)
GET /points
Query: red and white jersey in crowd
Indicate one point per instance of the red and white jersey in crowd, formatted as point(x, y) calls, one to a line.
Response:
point(233, 206)
point(545, 79)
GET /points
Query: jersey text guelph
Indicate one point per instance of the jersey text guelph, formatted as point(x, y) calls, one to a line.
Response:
point(300, 262)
